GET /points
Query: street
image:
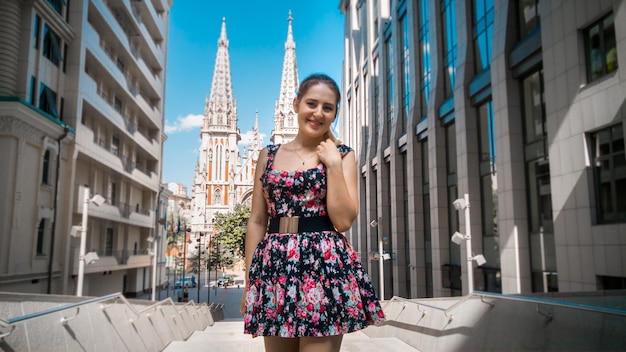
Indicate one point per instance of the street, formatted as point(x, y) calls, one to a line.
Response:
point(230, 297)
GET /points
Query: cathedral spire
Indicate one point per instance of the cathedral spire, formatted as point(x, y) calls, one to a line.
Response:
point(221, 109)
point(215, 188)
point(285, 121)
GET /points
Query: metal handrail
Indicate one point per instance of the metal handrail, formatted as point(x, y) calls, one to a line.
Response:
point(536, 300)
point(12, 322)
point(445, 311)
point(58, 309)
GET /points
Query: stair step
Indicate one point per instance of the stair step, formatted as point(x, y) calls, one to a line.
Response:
point(228, 336)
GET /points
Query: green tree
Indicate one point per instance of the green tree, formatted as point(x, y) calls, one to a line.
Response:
point(231, 230)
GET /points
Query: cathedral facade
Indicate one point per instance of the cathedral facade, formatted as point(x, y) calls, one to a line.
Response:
point(224, 174)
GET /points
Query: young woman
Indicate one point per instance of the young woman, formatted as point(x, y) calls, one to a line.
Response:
point(305, 286)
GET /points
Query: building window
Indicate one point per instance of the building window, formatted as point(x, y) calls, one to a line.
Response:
point(45, 174)
point(390, 92)
point(112, 193)
point(489, 186)
point(405, 67)
point(376, 100)
point(115, 145)
point(424, 45)
point(117, 104)
point(51, 46)
point(57, 5)
point(539, 196)
point(600, 48)
point(528, 16)
point(217, 197)
point(36, 29)
point(609, 171)
point(108, 242)
point(428, 257)
point(47, 101)
point(448, 24)
point(483, 33)
point(33, 90)
point(450, 277)
point(41, 236)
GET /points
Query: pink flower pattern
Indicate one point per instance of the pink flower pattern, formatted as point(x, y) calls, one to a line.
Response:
point(309, 283)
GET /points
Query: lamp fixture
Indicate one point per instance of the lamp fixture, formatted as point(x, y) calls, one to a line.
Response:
point(75, 231)
point(91, 257)
point(458, 237)
point(480, 260)
point(460, 204)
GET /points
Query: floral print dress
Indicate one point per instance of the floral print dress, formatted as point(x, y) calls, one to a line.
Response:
point(307, 283)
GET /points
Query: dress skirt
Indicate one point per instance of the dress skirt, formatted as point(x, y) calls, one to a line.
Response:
point(308, 284)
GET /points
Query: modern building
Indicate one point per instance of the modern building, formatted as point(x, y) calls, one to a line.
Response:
point(82, 87)
point(517, 104)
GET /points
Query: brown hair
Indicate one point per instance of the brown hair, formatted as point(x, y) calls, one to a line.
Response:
point(317, 78)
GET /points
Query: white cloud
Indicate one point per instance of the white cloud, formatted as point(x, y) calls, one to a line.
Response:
point(185, 123)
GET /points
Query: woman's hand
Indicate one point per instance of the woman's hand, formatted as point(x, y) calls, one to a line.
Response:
point(328, 153)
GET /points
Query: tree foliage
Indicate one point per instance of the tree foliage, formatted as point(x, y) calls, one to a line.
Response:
point(231, 229)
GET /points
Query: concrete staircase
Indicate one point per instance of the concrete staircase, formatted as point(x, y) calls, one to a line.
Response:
point(227, 335)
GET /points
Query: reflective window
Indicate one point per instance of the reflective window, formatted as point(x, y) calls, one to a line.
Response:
point(600, 48)
point(405, 66)
point(483, 33)
point(424, 45)
point(41, 237)
point(57, 5)
point(47, 100)
point(528, 16)
point(609, 166)
point(45, 174)
point(51, 46)
point(489, 184)
point(448, 24)
point(390, 92)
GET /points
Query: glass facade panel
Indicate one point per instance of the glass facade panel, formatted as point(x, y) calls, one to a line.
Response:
point(600, 48)
point(483, 33)
point(528, 16)
point(448, 27)
point(609, 162)
point(390, 91)
point(406, 71)
point(425, 57)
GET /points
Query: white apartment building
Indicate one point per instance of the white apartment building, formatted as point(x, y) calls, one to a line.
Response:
point(82, 87)
point(519, 104)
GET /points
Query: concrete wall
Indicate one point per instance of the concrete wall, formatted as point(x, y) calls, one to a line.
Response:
point(506, 325)
point(110, 325)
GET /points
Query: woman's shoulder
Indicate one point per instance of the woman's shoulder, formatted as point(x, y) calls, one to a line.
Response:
point(344, 149)
point(272, 148)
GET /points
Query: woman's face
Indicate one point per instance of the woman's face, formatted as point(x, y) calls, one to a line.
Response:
point(316, 110)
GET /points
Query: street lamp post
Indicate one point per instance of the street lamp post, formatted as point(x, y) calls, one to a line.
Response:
point(91, 256)
point(464, 204)
point(153, 241)
point(199, 247)
point(381, 259)
point(217, 261)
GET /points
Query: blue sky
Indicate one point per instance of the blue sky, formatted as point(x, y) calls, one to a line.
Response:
point(256, 32)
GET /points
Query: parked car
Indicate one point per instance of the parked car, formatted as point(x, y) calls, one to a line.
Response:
point(188, 282)
point(225, 280)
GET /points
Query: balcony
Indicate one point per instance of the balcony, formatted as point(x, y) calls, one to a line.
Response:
point(118, 211)
point(113, 260)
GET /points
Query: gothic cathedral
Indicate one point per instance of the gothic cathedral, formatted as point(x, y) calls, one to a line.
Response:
point(224, 176)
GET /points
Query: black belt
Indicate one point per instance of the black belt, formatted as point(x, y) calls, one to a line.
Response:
point(293, 224)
